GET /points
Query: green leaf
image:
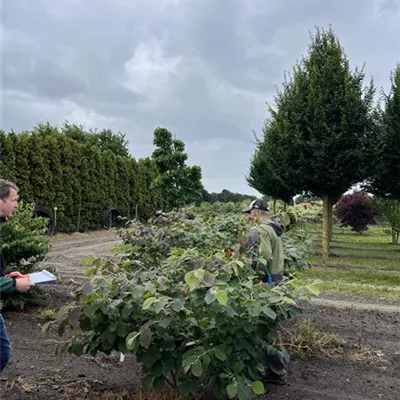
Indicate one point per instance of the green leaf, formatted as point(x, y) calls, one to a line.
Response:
point(257, 387)
point(248, 327)
point(274, 299)
point(269, 312)
point(210, 296)
point(145, 337)
point(122, 329)
point(219, 354)
point(177, 305)
point(187, 386)
point(222, 297)
point(131, 339)
point(191, 280)
point(148, 302)
point(197, 368)
point(238, 366)
point(90, 310)
point(231, 389)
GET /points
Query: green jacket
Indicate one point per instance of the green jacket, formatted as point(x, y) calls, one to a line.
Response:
point(263, 240)
point(7, 285)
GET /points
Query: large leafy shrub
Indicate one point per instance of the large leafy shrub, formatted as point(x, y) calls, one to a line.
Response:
point(24, 245)
point(194, 314)
point(356, 210)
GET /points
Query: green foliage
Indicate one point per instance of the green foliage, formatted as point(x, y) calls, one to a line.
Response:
point(226, 196)
point(386, 163)
point(322, 110)
point(298, 245)
point(193, 314)
point(81, 173)
point(177, 183)
point(390, 209)
point(262, 176)
point(24, 245)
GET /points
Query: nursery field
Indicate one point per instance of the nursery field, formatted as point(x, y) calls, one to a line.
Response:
point(366, 366)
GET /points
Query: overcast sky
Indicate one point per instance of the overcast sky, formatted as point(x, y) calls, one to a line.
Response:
point(204, 69)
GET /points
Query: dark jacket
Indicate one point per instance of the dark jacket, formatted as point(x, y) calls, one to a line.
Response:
point(7, 285)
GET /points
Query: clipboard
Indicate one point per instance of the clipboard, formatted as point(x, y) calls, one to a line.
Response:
point(42, 277)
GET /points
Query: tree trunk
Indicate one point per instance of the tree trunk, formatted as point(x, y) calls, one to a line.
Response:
point(274, 206)
point(395, 236)
point(325, 227)
point(330, 210)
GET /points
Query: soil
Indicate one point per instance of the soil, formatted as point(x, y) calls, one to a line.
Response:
point(367, 368)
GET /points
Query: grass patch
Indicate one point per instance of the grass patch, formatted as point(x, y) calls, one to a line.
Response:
point(367, 262)
point(351, 275)
point(387, 293)
point(362, 265)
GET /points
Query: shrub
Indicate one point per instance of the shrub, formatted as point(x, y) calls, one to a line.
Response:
point(194, 316)
point(24, 245)
point(356, 210)
point(390, 209)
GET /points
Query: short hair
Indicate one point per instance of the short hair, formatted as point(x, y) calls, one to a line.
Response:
point(5, 188)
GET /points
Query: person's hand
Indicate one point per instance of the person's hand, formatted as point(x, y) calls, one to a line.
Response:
point(15, 274)
point(23, 284)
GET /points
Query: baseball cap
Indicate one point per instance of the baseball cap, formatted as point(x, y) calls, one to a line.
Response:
point(258, 204)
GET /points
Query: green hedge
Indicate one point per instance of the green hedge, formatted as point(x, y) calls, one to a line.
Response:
point(79, 178)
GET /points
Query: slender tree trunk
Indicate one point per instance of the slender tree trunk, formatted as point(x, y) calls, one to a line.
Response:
point(325, 228)
point(274, 206)
point(395, 236)
point(330, 210)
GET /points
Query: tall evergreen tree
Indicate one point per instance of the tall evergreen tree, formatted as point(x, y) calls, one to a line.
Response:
point(322, 126)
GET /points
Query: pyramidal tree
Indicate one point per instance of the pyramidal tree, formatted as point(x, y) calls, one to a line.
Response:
point(323, 126)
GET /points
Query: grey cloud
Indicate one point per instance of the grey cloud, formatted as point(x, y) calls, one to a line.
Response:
point(203, 68)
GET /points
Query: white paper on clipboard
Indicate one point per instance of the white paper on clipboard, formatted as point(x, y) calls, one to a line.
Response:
point(42, 277)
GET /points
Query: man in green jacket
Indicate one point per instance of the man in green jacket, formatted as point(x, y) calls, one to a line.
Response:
point(264, 241)
point(14, 281)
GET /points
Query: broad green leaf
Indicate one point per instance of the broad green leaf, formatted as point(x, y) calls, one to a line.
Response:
point(131, 339)
point(148, 302)
point(222, 297)
point(190, 279)
point(231, 390)
point(122, 329)
point(210, 296)
point(269, 312)
point(219, 354)
point(197, 368)
point(238, 366)
point(145, 337)
point(257, 387)
point(248, 328)
point(177, 305)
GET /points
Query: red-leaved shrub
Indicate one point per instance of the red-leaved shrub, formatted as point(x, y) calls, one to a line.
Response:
point(356, 210)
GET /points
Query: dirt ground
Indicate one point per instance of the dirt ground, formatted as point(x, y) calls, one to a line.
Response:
point(367, 369)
